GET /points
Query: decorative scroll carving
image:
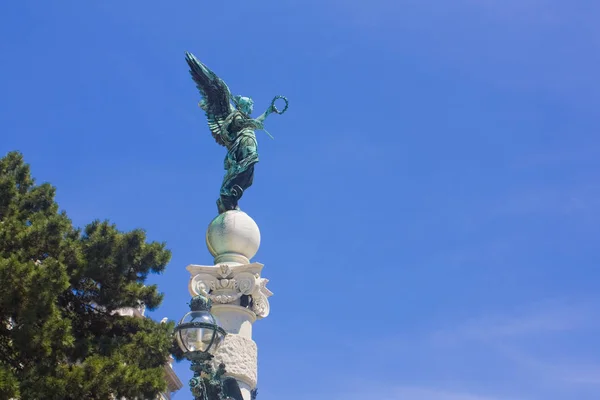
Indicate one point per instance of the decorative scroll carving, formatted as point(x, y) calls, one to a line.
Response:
point(202, 284)
point(246, 282)
point(225, 284)
point(260, 304)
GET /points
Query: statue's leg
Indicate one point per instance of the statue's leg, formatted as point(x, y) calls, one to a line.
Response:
point(233, 189)
point(241, 182)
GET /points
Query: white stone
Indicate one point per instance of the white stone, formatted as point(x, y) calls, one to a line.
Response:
point(246, 390)
point(234, 319)
point(225, 284)
point(233, 237)
point(240, 356)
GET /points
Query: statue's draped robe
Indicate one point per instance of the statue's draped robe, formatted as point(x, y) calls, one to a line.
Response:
point(241, 156)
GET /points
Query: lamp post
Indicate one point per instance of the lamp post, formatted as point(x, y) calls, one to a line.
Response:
point(199, 336)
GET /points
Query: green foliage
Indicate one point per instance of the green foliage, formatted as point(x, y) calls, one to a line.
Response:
point(59, 335)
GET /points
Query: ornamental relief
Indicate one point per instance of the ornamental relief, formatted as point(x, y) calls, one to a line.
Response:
point(224, 298)
point(223, 284)
point(229, 287)
point(202, 284)
point(260, 297)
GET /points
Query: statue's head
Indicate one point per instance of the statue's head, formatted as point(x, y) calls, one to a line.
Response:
point(244, 104)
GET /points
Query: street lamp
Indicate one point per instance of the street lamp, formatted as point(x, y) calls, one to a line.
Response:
point(199, 336)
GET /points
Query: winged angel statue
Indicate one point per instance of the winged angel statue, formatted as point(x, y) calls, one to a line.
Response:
point(232, 127)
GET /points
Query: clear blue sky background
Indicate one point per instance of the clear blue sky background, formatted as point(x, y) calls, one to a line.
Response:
point(429, 208)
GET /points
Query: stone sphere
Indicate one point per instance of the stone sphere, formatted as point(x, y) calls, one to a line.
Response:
point(233, 237)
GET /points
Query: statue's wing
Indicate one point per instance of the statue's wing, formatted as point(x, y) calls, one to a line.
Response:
point(215, 95)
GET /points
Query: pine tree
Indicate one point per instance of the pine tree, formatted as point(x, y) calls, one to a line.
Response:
point(60, 337)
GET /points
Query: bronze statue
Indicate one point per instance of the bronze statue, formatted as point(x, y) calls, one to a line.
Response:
point(232, 127)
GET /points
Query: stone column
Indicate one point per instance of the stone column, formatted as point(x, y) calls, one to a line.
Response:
point(238, 292)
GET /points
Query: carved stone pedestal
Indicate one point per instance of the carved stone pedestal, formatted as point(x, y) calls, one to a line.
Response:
point(238, 292)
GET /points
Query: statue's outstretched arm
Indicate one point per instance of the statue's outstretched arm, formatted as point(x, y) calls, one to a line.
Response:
point(264, 115)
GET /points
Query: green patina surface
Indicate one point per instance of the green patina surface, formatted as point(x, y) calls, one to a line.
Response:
point(232, 126)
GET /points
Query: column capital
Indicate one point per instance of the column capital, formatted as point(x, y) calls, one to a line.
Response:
point(228, 284)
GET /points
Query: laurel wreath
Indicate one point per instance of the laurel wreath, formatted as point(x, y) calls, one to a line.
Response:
point(275, 109)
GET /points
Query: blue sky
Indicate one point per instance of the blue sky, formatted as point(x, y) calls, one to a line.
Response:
point(428, 209)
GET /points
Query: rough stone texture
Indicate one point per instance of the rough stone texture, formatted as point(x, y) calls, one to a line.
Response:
point(240, 356)
point(233, 237)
